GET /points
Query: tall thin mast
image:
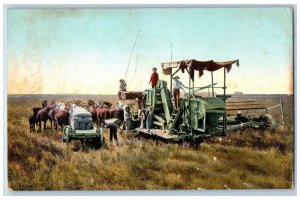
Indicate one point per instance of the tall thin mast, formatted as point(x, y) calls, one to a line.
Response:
point(132, 53)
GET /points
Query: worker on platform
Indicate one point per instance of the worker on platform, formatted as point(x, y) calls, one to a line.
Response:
point(154, 78)
point(177, 85)
point(122, 87)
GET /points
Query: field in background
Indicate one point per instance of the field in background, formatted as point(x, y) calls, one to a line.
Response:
point(246, 159)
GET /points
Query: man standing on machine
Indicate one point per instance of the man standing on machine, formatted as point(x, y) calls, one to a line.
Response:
point(177, 85)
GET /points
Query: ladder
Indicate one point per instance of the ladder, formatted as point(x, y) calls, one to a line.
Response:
point(173, 120)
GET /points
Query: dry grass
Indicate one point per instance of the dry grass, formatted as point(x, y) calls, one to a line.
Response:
point(241, 160)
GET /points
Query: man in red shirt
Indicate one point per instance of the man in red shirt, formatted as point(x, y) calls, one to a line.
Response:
point(154, 78)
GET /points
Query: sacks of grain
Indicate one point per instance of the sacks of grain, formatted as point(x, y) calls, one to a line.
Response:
point(87, 120)
point(111, 123)
point(80, 112)
point(80, 118)
point(82, 126)
point(90, 126)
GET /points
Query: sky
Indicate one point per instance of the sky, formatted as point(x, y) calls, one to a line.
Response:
point(87, 51)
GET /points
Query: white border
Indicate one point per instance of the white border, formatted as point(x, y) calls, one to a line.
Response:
point(133, 3)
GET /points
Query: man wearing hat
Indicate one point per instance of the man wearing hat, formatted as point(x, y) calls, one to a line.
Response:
point(154, 78)
point(177, 84)
point(122, 87)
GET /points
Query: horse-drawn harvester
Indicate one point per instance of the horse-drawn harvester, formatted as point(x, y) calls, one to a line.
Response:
point(197, 117)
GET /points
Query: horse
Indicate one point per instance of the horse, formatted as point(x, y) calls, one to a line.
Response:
point(117, 112)
point(32, 119)
point(102, 113)
point(61, 119)
point(92, 110)
point(43, 115)
point(60, 116)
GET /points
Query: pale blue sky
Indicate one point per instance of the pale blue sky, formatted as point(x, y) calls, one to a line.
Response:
point(87, 50)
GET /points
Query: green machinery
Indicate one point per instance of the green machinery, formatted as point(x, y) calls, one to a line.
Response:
point(197, 117)
point(93, 136)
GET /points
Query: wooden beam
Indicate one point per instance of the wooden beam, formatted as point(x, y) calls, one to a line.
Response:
point(175, 72)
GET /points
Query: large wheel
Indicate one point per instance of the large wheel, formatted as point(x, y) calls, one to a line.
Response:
point(99, 142)
point(267, 122)
point(77, 145)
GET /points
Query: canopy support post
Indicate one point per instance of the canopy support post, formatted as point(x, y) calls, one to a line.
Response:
point(193, 88)
point(212, 82)
point(224, 83)
point(190, 107)
point(171, 78)
point(208, 92)
point(225, 113)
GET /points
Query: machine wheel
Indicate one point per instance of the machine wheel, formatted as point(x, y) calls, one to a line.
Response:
point(267, 122)
point(99, 142)
point(196, 143)
point(77, 145)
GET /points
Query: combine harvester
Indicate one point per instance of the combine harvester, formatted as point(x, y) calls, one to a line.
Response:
point(197, 117)
point(82, 129)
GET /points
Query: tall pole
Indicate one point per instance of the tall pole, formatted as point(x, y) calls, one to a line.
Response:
point(190, 108)
point(194, 87)
point(225, 113)
point(224, 83)
point(212, 82)
point(171, 77)
point(171, 49)
point(132, 53)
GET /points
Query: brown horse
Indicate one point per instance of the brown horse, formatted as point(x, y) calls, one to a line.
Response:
point(60, 117)
point(33, 119)
point(102, 114)
point(117, 112)
point(92, 110)
point(43, 115)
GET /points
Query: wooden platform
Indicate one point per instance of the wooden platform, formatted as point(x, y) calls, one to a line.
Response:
point(157, 132)
point(130, 95)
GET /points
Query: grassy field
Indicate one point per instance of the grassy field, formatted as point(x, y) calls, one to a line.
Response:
point(245, 159)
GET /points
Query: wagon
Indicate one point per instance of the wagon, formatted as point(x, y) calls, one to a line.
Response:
point(94, 136)
point(82, 128)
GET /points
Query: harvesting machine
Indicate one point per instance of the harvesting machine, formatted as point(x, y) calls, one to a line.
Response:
point(197, 116)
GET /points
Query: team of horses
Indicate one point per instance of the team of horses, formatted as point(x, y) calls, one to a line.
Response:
point(59, 115)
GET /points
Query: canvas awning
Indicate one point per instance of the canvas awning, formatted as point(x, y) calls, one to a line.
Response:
point(200, 66)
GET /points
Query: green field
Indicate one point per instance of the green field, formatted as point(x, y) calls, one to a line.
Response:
point(246, 159)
